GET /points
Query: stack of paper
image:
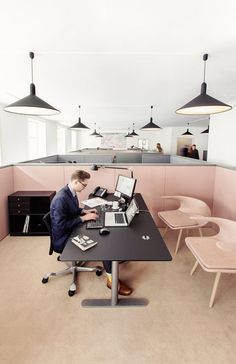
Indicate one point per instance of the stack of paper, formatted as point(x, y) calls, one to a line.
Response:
point(92, 202)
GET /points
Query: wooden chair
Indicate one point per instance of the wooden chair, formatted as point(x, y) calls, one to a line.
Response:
point(179, 219)
point(216, 253)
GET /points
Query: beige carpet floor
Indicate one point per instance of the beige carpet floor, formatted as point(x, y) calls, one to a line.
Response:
point(41, 324)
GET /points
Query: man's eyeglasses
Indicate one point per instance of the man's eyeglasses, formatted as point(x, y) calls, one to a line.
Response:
point(83, 184)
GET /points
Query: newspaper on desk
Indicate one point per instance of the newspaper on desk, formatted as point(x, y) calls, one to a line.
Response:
point(93, 202)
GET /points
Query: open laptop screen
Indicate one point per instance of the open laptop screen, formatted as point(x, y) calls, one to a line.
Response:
point(131, 211)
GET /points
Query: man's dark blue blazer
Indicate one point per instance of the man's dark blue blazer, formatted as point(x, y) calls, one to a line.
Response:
point(64, 211)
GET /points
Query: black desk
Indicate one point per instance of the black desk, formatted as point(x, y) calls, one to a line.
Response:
point(123, 243)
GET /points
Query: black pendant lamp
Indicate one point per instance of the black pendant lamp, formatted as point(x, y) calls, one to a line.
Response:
point(32, 104)
point(95, 131)
point(187, 132)
point(150, 126)
point(205, 131)
point(203, 104)
point(133, 132)
point(128, 135)
point(79, 125)
point(99, 134)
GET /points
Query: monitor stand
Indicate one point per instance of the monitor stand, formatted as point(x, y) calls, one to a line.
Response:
point(124, 203)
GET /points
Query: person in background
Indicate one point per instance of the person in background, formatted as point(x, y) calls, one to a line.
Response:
point(184, 150)
point(193, 152)
point(66, 214)
point(159, 148)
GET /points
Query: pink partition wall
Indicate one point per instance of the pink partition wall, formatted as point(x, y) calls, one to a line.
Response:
point(46, 177)
point(152, 181)
point(42, 177)
point(156, 181)
point(151, 184)
point(224, 193)
point(191, 181)
point(214, 185)
point(101, 177)
point(6, 178)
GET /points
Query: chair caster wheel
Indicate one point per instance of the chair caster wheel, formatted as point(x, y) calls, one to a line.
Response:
point(71, 293)
point(45, 280)
point(98, 273)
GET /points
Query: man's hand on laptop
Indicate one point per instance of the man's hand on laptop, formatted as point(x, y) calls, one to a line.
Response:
point(89, 216)
point(88, 211)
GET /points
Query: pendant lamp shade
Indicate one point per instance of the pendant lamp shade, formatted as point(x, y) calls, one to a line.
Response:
point(99, 135)
point(95, 131)
point(133, 132)
point(203, 104)
point(151, 126)
point(187, 132)
point(32, 104)
point(128, 135)
point(205, 131)
point(79, 125)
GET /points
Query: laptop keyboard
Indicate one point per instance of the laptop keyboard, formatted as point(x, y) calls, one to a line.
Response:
point(99, 223)
point(119, 218)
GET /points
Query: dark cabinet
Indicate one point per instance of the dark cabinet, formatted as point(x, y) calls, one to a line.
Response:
point(26, 211)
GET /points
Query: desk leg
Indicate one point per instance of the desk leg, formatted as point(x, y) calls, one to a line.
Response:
point(115, 280)
point(114, 301)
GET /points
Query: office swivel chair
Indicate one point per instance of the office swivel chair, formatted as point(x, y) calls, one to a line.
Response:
point(75, 266)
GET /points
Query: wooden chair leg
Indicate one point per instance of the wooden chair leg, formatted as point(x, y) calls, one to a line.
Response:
point(194, 268)
point(200, 231)
point(165, 231)
point(178, 241)
point(215, 285)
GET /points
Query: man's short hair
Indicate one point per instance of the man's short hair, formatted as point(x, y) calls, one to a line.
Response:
point(80, 175)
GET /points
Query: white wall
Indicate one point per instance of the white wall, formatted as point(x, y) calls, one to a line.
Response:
point(222, 138)
point(167, 137)
point(68, 140)
point(87, 141)
point(13, 138)
point(14, 142)
point(51, 140)
point(162, 136)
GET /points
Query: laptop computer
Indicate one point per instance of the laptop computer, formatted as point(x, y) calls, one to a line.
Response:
point(122, 218)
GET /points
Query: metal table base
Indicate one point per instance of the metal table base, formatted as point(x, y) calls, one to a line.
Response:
point(124, 302)
point(114, 301)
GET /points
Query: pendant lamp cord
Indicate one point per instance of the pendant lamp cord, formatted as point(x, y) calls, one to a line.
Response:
point(205, 58)
point(32, 70)
point(204, 72)
point(31, 54)
point(151, 110)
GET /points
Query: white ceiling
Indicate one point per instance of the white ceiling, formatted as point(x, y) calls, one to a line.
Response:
point(117, 58)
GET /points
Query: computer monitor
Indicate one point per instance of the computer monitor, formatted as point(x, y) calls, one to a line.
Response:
point(125, 186)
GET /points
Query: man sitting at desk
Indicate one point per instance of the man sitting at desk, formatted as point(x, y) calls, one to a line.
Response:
point(66, 214)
